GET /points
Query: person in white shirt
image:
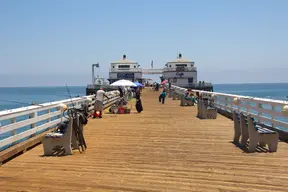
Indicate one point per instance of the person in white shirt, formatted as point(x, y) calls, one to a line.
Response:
point(98, 106)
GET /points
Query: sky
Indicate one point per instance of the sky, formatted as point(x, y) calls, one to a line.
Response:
point(52, 42)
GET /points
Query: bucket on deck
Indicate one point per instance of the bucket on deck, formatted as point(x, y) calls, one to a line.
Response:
point(121, 110)
point(97, 114)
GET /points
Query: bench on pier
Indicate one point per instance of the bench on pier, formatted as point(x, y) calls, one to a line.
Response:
point(170, 93)
point(65, 135)
point(175, 96)
point(59, 139)
point(184, 102)
point(240, 127)
point(246, 127)
point(262, 136)
point(206, 110)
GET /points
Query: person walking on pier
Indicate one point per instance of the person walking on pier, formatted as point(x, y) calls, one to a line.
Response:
point(98, 106)
point(138, 105)
point(121, 91)
point(162, 96)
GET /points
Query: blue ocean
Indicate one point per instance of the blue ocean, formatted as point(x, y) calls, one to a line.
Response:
point(14, 97)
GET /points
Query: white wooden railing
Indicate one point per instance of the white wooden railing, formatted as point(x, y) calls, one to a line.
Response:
point(19, 124)
point(271, 112)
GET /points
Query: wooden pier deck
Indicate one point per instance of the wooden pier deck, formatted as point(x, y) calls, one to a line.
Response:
point(164, 148)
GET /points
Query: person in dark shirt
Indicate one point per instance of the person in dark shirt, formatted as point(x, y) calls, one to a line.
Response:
point(121, 91)
point(162, 97)
point(138, 105)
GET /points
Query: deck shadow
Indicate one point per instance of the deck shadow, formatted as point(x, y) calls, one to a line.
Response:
point(259, 149)
point(57, 152)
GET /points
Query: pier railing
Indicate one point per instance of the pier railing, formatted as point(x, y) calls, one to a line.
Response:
point(189, 69)
point(18, 125)
point(273, 113)
point(120, 70)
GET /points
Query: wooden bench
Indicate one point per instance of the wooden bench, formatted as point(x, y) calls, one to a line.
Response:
point(175, 96)
point(206, 110)
point(237, 130)
point(240, 127)
point(246, 127)
point(184, 102)
point(59, 139)
point(170, 93)
point(262, 136)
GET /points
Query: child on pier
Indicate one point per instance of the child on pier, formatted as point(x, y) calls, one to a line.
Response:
point(162, 97)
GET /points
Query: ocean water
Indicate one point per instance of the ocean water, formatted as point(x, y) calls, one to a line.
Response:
point(14, 97)
point(266, 90)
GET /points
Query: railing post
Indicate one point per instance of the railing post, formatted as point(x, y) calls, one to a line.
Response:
point(238, 106)
point(61, 114)
point(226, 102)
point(49, 119)
point(13, 120)
point(248, 107)
point(272, 116)
point(31, 116)
point(259, 106)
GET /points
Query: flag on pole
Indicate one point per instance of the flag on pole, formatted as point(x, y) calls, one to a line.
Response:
point(152, 63)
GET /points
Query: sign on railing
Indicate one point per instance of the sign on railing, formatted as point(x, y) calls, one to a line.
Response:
point(17, 125)
point(271, 112)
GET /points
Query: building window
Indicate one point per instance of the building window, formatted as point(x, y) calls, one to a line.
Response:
point(190, 80)
point(113, 66)
point(124, 66)
point(181, 65)
point(134, 66)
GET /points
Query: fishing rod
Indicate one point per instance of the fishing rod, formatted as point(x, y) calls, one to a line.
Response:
point(69, 95)
point(75, 115)
point(23, 103)
point(34, 102)
point(62, 95)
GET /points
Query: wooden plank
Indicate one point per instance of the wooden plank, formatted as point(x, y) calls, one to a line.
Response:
point(164, 148)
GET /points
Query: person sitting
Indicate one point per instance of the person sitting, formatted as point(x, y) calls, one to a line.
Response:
point(187, 94)
point(193, 98)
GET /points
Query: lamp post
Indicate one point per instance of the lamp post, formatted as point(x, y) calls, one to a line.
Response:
point(93, 72)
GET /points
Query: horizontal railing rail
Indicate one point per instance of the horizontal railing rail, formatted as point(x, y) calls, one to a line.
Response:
point(192, 69)
point(17, 125)
point(273, 113)
point(125, 69)
point(194, 85)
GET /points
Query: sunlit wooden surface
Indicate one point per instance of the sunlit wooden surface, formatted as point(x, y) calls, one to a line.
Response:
point(164, 148)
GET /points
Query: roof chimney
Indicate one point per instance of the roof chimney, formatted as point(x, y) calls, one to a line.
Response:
point(124, 57)
point(180, 56)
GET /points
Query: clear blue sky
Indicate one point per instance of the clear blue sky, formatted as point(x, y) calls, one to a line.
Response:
point(55, 42)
